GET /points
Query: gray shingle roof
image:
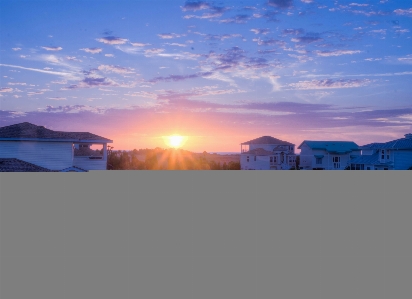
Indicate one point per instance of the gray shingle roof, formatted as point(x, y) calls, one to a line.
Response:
point(16, 165)
point(402, 143)
point(29, 131)
point(267, 140)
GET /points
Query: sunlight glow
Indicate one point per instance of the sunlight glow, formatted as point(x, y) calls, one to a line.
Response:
point(175, 141)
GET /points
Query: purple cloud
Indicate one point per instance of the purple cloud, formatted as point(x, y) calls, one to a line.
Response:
point(92, 50)
point(330, 83)
point(53, 48)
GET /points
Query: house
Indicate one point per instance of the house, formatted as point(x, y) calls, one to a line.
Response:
point(328, 155)
point(267, 153)
point(392, 155)
point(53, 150)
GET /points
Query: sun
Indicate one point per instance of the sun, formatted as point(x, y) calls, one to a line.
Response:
point(175, 141)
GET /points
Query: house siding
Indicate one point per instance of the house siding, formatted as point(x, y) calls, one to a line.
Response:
point(402, 159)
point(51, 155)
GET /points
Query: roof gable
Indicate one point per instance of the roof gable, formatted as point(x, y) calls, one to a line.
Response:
point(402, 143)
point(26, 131)
point(267, 140)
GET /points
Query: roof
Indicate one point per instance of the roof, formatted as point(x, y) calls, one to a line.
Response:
point(339, 147)
point(267, 140)
point(258, 152)
point(368, 159)
point(402, 143)
point(73, 168)
point(16, 165)
point(28, 131)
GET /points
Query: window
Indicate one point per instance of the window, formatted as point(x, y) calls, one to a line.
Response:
point(387, 156)
point(336, 162)
point(383, 157)
point(271, 159)
point(386, 168)
point(247, 159)
point(318, 160)
point(368, 168)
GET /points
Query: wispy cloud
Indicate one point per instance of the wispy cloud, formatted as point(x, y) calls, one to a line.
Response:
point(169, 35)
point(404, 12)
point(16, 49)
point(92, 50)
point(17, 83)
point(175, 78)
point(6, 89)
point(67, 75)
point(112, 40)
point(53, 48)
point(139, 44)
point(337, 53)
point(114, 69)
point(195, 5)
point(57, 99)
point(260, 30)
point(330, 83)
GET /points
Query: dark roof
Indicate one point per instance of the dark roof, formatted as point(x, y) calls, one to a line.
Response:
point(332, 146)
point(402, 143)
point(73, 168)
point(267, 140)
point(28, 131)
point(16, 165)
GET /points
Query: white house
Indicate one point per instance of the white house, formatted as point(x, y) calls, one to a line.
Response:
point(53, 150)
point(327, 155)
point(267, 153)
point(392, 155)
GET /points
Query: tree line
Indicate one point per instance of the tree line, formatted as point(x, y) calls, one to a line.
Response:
point(165, 159)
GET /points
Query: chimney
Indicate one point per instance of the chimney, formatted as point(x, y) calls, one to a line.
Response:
point(408, 136)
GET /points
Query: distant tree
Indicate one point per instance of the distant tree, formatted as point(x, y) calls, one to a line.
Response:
point(224, 166)
point(234, 165)
point(151, 162)
point(297, 162)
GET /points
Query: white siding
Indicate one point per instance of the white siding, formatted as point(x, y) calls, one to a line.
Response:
point(89, 164)
point(402, 159)
point(51, 155)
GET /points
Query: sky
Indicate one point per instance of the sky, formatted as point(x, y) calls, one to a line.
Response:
point(218, 72)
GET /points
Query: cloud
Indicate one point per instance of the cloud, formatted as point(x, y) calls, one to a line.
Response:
point(357, 4)
point(406, 59)
point(57, 99)
point(109, 55)
point(307, 1)
point(67, 75)
point(175, 78)
point(144, 94)
point(404, 12)
point(114, 69)
point(17, 83)
point(260, 31)
point(238, 19)
point(112, 40)
point(293, 31)
point(176, 44)
point(204, 16)
point(16, 49)
point(330, 83)
point(92, 81)
point(269, 42)
point(306, 39)
point(53, 48)
point(153, 51)
point(6, 89)
point(92, 50)
point(337, 53)
point(139, 44)
point(281, 3)
point(195, 5)
point(169, 35)
point(73, 58)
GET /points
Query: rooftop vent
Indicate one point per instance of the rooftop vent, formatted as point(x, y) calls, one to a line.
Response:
point(409, 136)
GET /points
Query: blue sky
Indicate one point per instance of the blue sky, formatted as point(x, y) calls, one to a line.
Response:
point(219, 72)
